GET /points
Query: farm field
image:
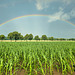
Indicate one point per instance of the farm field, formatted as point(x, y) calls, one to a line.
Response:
point(37, 58)
point(37, 41)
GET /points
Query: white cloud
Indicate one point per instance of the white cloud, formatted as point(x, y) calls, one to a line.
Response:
point(72, 13)
point(39, 7)
point(60, 9)
point(59, 15)
point(41, 4)
point(56, 16)
point(65, 16)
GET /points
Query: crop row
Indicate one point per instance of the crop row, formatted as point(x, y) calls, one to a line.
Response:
point(37, 58)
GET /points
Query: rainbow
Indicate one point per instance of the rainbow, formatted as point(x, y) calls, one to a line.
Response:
point(35, 15)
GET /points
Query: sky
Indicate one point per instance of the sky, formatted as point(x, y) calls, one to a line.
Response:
point(59, 22)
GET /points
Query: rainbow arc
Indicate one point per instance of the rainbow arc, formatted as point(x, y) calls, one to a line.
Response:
point(35, 15)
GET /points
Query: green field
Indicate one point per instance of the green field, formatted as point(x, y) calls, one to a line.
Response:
point(37, 58)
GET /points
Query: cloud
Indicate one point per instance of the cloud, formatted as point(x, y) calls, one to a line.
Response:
point(56, 16)
point(39, 6)
point(61, 9)
point(59, 15)
point(65, 16)
point(72, 13)
point(42, 4)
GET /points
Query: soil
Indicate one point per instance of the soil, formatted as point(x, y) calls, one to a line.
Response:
point(23, 72)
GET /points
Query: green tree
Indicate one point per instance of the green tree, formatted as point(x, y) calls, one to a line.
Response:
point(57, 38)
point(51, 38)
point(30, 37)
point(2, 37)
point(44, 37)
point(15, 35)
point(26, 37)
point(62, 39)
point(10, 36)
point(21, 37)
point(36, 37)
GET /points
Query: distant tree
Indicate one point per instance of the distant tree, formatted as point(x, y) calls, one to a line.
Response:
point(62, 39)
point(71, 39)
point(57, 38)
point(10, 36)
point(26, 37)
point(15, 35)
point(6, 38)
point(30, 37)
point(36, 37)
point(21, 37)
point(44, 37)
point(2, 37)
point(51, 38)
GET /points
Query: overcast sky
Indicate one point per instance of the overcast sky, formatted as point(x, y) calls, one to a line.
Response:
point(38, 25)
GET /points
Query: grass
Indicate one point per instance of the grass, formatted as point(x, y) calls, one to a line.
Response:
point(37, 58)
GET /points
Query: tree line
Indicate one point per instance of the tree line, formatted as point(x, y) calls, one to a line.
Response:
point(17, 36)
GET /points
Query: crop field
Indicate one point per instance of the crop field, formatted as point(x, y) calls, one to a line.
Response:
point(37, 58)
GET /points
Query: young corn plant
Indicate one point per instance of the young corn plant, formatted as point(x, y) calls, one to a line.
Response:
point(6, 69)
point(11, 68)
point(35, 71)
point(1, 66)
point(15, 59)
point(45, 61)
point(41, 65)
point(30, 65)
